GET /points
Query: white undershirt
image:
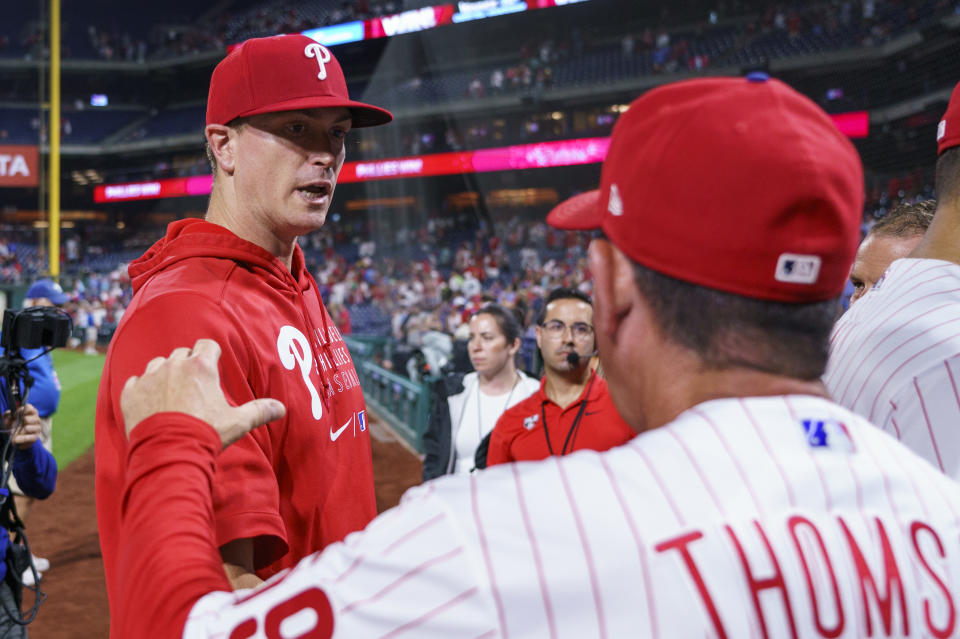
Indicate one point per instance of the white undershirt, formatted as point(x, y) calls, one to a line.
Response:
point(470, 433)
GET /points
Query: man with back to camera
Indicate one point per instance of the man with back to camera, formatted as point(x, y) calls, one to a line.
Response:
point(572, 410)
point(892, 237)
point(277, 117)
point(895, 356)
point(749, 504)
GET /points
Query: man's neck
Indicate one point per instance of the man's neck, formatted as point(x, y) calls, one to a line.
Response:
point(671, 395)
point(220, 212)
point(564, 387)
point(502, 382)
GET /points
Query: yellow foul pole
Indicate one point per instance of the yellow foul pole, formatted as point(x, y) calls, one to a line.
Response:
point(54, 172)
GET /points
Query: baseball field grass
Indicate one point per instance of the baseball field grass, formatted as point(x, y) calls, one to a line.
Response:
point(73, 423)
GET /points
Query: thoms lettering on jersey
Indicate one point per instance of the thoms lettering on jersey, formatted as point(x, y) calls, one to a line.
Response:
point(294, 351)
point(880, 595)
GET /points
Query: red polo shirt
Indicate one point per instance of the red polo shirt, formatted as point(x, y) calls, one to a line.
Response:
point(521, 435)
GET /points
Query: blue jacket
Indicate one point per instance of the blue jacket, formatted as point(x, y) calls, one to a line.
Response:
point(35, 470)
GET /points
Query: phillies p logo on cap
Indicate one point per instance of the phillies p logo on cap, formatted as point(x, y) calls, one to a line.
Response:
point(280, 73)
point(322, 54)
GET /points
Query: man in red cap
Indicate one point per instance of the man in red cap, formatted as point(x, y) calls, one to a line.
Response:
point(895, 356)
point(278, 114)
point(748, 505)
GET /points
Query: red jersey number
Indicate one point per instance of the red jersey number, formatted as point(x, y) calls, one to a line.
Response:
point(313, 599)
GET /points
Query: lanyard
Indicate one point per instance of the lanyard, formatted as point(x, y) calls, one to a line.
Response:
point(574, 428)
point(506, 405)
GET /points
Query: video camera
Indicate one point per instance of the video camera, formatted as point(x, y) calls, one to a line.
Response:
point(35, 327)
point(29, 328)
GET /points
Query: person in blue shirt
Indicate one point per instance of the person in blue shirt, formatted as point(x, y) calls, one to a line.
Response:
point(44, 396)
point(35, 470)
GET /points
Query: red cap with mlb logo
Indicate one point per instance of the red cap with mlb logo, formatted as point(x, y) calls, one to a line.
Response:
point(738, 184)
point(948, 131)
point(283, 73)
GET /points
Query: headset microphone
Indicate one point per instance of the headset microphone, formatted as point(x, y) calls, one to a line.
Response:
point(573, 358)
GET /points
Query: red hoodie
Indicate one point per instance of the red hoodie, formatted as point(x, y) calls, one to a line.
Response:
point(295, 485)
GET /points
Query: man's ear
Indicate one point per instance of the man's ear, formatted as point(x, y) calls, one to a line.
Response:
point(221, 139)
point(613, 286)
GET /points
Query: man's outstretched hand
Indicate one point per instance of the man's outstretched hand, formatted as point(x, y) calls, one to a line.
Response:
point(189, 382)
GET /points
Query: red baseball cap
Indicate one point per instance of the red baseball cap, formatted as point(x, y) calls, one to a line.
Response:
point(283, 73)
point(948, 131)
point(737, 184)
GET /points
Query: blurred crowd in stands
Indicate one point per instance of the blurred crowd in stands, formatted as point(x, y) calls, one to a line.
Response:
point(186, 37)
point(574, 56)
point(97, 299)
point(423, 303)
point(669, 47)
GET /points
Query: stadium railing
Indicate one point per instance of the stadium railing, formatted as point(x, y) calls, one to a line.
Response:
point(399, 401)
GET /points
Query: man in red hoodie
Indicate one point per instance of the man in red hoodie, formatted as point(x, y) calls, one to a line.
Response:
point(277, 115)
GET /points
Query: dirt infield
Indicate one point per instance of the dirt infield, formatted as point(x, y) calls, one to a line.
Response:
point(63, 529)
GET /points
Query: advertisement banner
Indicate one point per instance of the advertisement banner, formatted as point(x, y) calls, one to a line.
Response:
point(19, 165)
point(517, 157)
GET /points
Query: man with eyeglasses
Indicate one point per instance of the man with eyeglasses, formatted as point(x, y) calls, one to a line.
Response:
point(572, 410)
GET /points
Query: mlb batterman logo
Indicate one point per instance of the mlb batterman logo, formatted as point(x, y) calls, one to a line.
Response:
point(322, 54)
point(797, 269)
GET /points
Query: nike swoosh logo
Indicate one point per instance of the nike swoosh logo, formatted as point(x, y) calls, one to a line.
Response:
point(593, 413)
point(334, 434)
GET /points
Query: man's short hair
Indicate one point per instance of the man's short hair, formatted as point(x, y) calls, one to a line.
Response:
point(562, 293)
point(727, 330)
point(948, 175)
point(906, 220)
point(211, 158)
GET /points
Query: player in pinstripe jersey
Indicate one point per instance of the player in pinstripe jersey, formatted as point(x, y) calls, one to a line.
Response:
point(895, 355)
point(749, 506)
point(894, 235)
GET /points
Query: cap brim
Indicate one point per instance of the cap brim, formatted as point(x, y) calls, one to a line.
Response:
point(579, 213)
point(363, 114)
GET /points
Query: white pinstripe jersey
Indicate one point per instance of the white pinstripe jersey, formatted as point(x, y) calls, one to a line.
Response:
point(895, 358)
point(777, 516)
